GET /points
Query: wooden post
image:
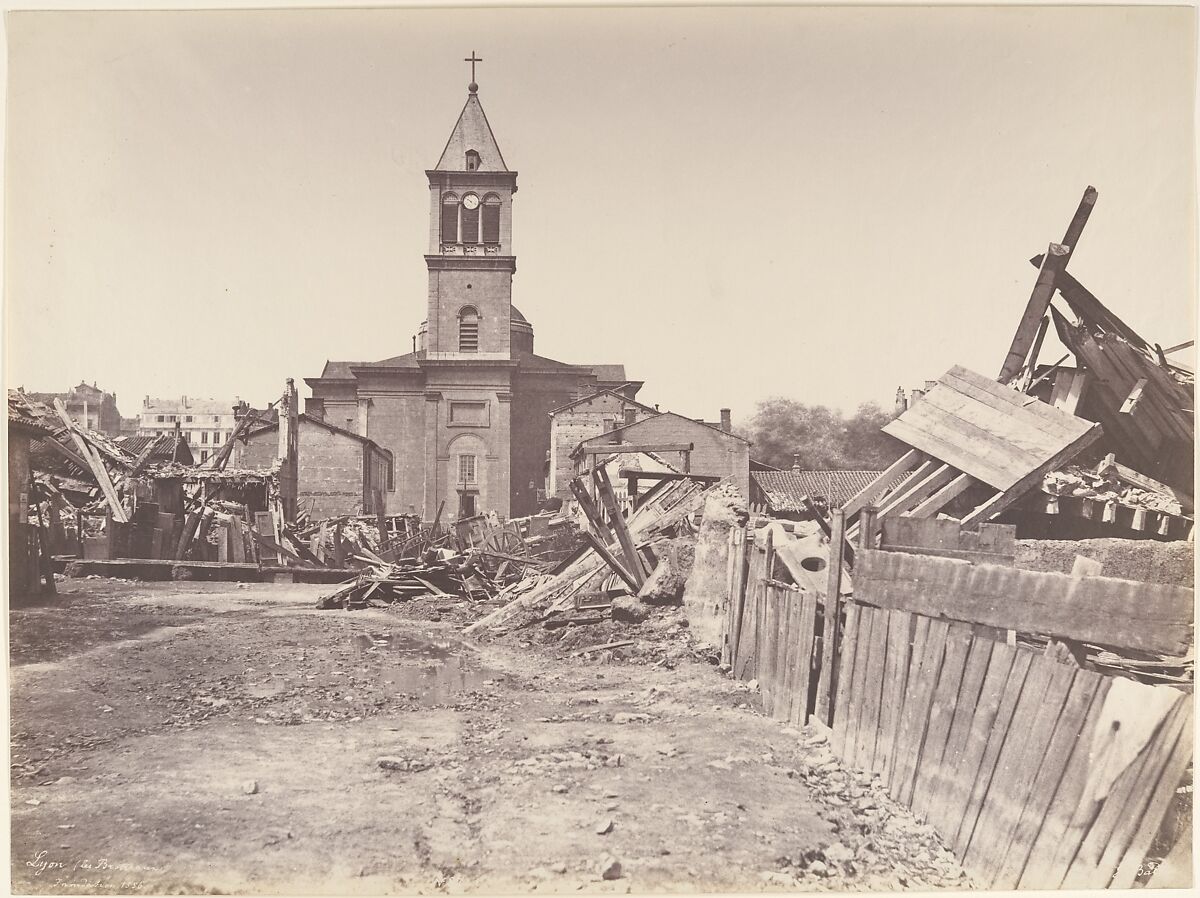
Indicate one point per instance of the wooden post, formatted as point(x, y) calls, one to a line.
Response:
point(826, 689)
point(868, 524)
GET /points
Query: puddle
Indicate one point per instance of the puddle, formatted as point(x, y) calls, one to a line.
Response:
point(431, 671)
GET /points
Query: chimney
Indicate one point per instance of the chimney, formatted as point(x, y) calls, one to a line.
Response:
point(414, 342)
point(146, 401)
point(726, 420)
point(315, 408)
point(185, 402)
point(901, 401)
point(929, 385)
point(630, 415)
point(915, 396)
point(795, 461)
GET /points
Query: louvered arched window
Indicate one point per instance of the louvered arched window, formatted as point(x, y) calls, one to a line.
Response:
point(449, 218)
point(491, 218)
point(468, 329)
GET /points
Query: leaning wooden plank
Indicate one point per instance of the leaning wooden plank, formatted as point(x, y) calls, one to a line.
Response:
point(1043, 291)
point(926, 480)
point(858, 688)
point(1160, 798)
point(932, 769)
point(1048, 776)
point(1008, 783)
point(942, 497)
point(1098, 610)
point(1012, 787)
point(590, 511)
point(602, 550)
point(768, 641)
point(894, 676)
point(871, 694)
point(89, 455)
point(916, 712)
point(789, 651)
point(993, 736)
point(747, 637)
point(905, 463)
point(1023, 432)
point(1152, 793)
point(945, 802)
point(633, 561)
point(1108, 835)
point(805, 659)
point(1058, 839)
point(830, 643)
point(841, 698)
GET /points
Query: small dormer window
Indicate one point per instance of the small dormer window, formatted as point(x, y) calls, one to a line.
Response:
point(472, 160)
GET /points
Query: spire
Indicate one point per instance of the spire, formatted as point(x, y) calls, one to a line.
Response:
point(471, 132)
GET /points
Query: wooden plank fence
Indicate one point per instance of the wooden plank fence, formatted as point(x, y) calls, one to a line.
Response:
point(1037, 772)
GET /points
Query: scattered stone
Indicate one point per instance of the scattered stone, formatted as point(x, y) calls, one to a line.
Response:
point(404, 765)
point(838, 853)
point(610, 868)
point(818, 868)
point(33, 801)
point(560, 789)
point(604, 827)
point(614, 761)
point(559, 868)
point(64, 781)
point(250, 787)
point(774, 878)
point(628, 610)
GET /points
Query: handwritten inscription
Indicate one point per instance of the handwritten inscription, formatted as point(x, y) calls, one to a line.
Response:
point(85, 873)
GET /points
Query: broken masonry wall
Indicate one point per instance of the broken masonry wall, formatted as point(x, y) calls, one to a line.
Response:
point(1125, 559)
point(706, 595)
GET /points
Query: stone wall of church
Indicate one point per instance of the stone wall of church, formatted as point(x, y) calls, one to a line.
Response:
point(468, 412)
point(396, 422)
point(490, 292)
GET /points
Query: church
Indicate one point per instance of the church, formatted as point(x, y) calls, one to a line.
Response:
point(466, 414)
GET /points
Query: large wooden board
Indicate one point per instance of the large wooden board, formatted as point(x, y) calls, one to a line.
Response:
point(1099, 610)
point(971, 423)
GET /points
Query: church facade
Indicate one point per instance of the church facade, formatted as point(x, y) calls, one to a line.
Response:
point(466, 414)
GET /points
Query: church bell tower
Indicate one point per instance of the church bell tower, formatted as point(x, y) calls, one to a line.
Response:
point(470, 261)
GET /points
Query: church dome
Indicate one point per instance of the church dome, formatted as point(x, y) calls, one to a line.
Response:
point(520, 332)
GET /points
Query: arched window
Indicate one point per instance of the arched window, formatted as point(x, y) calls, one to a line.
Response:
point(468, 329)
point(491, 218)
point(449, 218)
point(472, 160)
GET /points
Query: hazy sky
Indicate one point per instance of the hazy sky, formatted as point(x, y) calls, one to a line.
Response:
point(818, 203)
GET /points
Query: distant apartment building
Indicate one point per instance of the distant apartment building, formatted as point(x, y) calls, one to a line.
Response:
point(205, 424)
point(88, 405)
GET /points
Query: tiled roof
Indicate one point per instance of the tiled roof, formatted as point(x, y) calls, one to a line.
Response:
point(598, 393)
point(785, 490)
point(164, 452)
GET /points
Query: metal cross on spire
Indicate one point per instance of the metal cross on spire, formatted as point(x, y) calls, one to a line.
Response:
point(473, 59)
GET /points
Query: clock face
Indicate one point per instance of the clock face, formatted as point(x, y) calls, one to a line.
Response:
point(471, 201)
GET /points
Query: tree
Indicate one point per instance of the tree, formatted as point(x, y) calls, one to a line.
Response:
point(819, 438)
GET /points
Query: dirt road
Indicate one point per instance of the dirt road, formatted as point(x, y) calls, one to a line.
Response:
point(180, 737)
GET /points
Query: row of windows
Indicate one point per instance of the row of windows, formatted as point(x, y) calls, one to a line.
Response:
point(467, 221)
point(189, 437)
point(187, 419)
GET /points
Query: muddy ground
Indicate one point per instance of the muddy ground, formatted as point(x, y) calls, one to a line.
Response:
point(193, 737)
